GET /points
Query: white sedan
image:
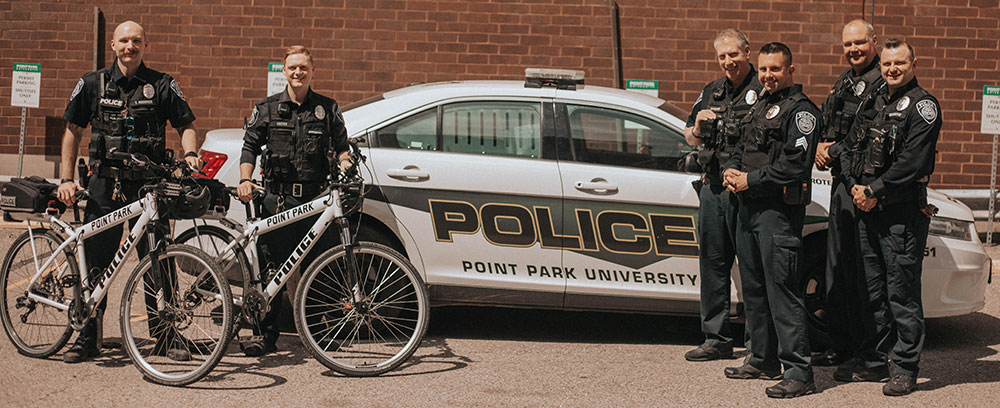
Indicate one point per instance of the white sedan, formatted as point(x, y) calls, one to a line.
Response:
point(564, 195)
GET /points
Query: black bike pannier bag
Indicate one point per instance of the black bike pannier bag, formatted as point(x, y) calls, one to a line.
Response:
point(29, 195)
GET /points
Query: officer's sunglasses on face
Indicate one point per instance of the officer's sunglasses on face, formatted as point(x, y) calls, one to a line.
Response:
point(129, 128)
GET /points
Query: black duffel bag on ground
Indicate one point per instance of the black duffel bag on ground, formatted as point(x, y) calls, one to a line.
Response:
point(31, 195)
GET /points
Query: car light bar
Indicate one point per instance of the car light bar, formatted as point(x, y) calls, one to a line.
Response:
point(559, 78)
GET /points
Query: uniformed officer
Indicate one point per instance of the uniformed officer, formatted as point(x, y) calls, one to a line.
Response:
point(128, 105)
point(845, 295)
point(890, 166)
point(306, 143)
point(771, 171)
point(719, 110)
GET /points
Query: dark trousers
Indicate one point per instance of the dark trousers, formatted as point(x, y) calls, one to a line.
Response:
point(846, 293)
point(769, 244)
point(101, 248)
point(274, 249)
point(717, 251)
point(892, 244)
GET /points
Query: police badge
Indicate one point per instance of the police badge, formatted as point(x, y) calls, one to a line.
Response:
point(859, 88)
point(751, 97)
point(320, 112)
point(903, 103)
point(771, 113)
point(148, 91)
point(805, 122)
point(928, 110)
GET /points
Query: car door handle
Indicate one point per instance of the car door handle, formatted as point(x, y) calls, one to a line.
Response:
point(408, 173)
point(598, 187)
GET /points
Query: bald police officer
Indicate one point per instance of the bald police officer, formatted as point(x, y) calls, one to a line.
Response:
point(845, 295)
point(128, 105)
point(714, 124)
point(306, 142)
point(771, 171)
point(891, 164)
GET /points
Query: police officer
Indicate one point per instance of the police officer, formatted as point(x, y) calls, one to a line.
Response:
point(844, 293)
point(128, 105)
point(771, 171)
point(890, 166)
point(306, 142)
point(714, 124)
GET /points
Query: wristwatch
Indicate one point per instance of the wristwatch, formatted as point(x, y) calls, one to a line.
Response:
point(868, 192)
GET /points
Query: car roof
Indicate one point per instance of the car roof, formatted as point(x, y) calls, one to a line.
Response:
point(362, 115)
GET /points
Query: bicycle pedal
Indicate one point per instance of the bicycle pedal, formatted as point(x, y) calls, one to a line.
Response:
point(70, 281)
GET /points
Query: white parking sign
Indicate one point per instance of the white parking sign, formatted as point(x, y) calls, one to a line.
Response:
point(275, 78)
point(25, 85)
point(991, 110)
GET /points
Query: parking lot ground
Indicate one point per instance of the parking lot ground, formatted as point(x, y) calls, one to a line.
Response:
point(512, 358)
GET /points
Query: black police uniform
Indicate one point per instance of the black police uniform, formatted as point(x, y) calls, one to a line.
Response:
point(845, 295)
point(894, 156)
point(126, 115)
point(303, 143)
point(717, 209)
point(779, 144)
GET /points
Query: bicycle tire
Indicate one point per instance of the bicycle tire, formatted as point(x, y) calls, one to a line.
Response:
point(212, 239)
point(362, 336)
point(43, 330)
point(189, 318)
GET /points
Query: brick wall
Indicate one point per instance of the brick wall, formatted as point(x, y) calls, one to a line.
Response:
point(219, 49)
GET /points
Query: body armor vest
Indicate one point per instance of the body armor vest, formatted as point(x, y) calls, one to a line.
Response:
point(845, 98)
point(881, 137)
point(298, 147)
point(126, 123)
point(762, 137)
point(721, 135)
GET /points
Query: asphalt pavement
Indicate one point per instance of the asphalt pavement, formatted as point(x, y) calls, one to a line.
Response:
point(513, 358)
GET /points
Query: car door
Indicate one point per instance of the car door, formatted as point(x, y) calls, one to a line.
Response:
point(468, 179)
point(634, 214)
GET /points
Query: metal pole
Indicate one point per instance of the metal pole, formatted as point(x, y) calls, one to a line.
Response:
point(616, 46)
point(20, 145)
point(993, 192)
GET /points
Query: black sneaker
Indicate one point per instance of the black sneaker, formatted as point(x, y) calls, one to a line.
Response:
point(790, 389)
point(900, 384)
point(78, 354)
point(259, 348)
point(860, 373)
point(706, 352)
point(749, 372)
point(826, 358)
point(845, 370)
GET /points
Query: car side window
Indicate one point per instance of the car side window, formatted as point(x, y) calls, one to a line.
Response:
point(492, 128)
point(415, 132)
point(612, 137)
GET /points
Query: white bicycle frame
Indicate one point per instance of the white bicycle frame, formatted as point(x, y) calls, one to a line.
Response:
point(329, 208)
point(145, 209)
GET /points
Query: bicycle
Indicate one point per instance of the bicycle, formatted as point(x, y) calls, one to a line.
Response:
point(360, 308)
point(49, 290)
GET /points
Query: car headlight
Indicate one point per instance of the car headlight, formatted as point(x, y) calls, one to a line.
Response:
point(950, 228)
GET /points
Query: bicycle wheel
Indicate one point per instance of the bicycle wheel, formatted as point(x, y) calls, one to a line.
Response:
point(363, 329)
point(36, 329)
point(234, 265)
point(194, 314)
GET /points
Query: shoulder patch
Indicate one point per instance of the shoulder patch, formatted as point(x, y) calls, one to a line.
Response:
point(697, 101)
point(253, 117)
point(76, 91)
point(928, 110)
point(177, 89)
point(805, 122)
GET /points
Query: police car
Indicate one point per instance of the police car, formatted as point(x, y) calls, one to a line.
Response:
point(549, 193)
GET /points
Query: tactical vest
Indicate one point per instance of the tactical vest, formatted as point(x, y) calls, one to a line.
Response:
point(762, 136)
point(730, 115)
point(846, 97)
point(298, 148)
point(881, 137)
point(126, 124)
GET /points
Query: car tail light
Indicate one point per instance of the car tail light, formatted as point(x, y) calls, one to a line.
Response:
point(213, 162)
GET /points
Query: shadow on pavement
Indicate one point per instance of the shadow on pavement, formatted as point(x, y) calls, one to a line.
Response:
point(429, 359)
point(960, 350)
point(290, 353)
